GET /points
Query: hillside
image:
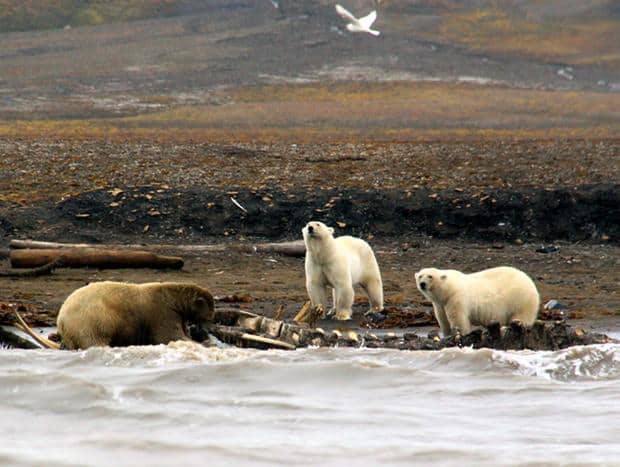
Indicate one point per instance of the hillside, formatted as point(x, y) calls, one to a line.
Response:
point(458, 68)
point(27, 15)
point(573, 31)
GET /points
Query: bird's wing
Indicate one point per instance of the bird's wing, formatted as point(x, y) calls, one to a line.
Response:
point(346, 14)
point(367, 20)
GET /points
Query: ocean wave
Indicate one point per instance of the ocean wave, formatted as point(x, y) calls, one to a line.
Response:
point(179, 352)
point(573, 364)
point(321, 405)
point(581, 363)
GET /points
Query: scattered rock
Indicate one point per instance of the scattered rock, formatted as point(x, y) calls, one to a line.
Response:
point(375, 318)
point(554, 305)
point(547, 249)
point(393, 317)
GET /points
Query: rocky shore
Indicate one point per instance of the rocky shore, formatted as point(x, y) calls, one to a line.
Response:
point(489, 191)
point(550, 208)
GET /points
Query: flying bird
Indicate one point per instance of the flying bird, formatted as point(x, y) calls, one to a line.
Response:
point(358, 25)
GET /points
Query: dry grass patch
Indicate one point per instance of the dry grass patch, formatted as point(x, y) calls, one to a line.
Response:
point(575, 40)
point(26, 15)
point(388, 107)
point(361, 111)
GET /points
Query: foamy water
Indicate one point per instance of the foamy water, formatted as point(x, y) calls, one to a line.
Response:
point(183, 404)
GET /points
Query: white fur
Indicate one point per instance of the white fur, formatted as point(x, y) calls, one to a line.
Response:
point(461, 300)
point(340, 263)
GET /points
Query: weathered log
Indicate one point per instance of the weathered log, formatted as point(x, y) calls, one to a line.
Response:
point(93, 257)
point(37, 245)
point(294, 248)
point(36, 272)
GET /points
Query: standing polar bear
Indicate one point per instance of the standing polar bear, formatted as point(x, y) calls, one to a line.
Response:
point(340, 263)
point(461, 300)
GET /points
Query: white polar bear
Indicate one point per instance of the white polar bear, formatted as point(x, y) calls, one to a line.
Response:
point(340, 263)
point(461, 300)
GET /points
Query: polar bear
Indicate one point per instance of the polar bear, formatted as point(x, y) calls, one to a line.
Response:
point(340, 263)
point(461, 300)
point(121, 314)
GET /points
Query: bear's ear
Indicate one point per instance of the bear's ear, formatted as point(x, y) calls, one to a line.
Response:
point(330, 230)
point(443, 277)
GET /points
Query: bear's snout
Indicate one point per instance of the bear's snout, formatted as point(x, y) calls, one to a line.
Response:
point(310, 229)
point(423, 285)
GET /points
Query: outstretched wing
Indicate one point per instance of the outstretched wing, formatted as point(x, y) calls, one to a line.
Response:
point(367, 20)
point(346, 14)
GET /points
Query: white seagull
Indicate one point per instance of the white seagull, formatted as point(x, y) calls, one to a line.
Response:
point(358, 25)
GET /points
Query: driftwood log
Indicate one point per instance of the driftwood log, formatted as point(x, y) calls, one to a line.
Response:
point(294, 248)
point(36, 272)
point(94, 257)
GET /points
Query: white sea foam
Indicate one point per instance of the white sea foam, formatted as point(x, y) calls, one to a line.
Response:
point(576, 363)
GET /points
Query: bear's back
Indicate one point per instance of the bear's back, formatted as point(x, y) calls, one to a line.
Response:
point(97, 302)
point(353, 244)
point(97, 294)
point(500, 274)
point(99, 312)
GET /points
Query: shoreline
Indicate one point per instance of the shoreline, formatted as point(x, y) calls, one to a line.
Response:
point(418, 205)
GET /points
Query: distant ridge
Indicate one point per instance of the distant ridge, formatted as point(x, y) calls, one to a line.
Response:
point(28, 15)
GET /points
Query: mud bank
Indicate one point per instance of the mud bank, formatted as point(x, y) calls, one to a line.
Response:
point(587, 212)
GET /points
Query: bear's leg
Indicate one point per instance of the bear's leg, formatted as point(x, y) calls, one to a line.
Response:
point(332, 311)
point(442, 319)
point(344, 301)
point(457, 317)
point(94, 337)
point(527, 312)
point(317, 293)
point(85, 342)
point(166, 333)
point(374, 291)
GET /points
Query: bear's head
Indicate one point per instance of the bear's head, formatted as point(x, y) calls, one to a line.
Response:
point(429, 282)
point(201, 309)
point(318, 231)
